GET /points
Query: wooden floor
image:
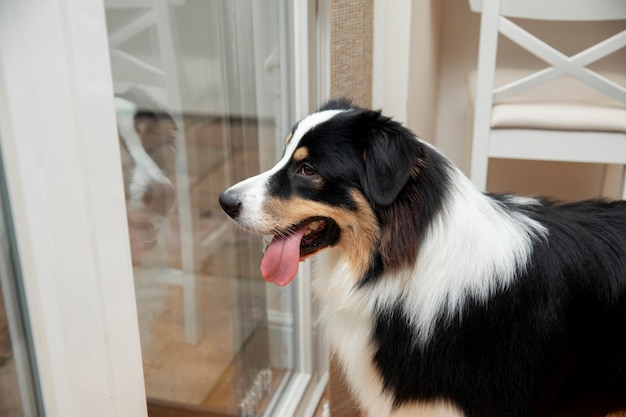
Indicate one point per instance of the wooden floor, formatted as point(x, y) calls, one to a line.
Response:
point(10, 402)
point(213, 376)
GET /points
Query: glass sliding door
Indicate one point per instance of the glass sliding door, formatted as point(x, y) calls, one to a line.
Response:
point(122, 121)
point(214, 83)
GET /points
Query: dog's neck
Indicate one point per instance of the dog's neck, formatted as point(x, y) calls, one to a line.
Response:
point(460, 259)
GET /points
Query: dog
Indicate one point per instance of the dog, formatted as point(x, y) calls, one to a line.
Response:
point(147, 136)
point(445, 301)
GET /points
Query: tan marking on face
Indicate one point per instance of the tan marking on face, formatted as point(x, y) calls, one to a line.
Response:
point(301, 154)
point(360, 231)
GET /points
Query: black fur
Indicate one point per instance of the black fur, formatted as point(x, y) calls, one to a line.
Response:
point(553, 342)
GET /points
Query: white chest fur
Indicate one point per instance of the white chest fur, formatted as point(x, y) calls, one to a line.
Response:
point(350, 340)
point(349, 319)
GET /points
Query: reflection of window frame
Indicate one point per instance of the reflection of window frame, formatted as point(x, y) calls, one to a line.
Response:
point(65, 187)
point(14, 315)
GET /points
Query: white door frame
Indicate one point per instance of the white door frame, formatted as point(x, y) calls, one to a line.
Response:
point(59, 140)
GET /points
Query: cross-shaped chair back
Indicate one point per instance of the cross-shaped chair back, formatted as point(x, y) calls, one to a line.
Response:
point(496, 20)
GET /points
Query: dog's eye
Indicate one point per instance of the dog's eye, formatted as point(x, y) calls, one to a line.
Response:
point(307, 170)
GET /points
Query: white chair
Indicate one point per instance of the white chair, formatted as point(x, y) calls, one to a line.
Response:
point(579, 116)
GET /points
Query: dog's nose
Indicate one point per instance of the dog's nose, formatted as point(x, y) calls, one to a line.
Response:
point(230, 203)
point(159, 197)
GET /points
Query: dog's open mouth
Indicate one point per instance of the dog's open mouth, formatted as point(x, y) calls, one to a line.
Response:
point(288, 248)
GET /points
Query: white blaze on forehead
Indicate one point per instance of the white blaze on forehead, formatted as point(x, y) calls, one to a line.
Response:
point(252, 190)
point(304, 127)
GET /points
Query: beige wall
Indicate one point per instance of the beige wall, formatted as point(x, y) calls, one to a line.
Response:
point(427, 19)
point(392, 40)
point(406, 62)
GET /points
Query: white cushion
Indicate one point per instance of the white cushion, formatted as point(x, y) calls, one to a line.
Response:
point(562, 104)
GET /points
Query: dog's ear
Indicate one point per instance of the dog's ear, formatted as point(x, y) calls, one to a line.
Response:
point(390, 152)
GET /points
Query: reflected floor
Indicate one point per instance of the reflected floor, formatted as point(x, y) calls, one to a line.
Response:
point(218, 369)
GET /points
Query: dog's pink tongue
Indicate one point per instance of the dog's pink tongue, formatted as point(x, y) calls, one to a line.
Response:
point(282, 256)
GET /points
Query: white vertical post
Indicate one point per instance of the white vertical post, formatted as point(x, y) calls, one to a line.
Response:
point(301, 93)
point(390, 72)
point(61, 151)
point(484, 92)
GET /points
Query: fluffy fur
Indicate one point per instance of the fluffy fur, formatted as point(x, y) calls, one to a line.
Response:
point(447, 301)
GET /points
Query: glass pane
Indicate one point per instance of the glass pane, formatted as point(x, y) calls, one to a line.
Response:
point(203, 100)
point(19, 393)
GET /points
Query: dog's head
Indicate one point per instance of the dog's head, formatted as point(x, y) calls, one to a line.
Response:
point(349, 178)
point(148, 152)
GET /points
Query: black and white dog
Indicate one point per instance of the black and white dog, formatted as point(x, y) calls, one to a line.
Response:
point(148, 152)
point(445, 301)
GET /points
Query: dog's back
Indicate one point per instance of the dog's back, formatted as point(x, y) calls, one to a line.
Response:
point(577, 290)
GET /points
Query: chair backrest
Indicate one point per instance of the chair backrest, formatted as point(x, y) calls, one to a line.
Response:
point(494, 19)
point(567, 10)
